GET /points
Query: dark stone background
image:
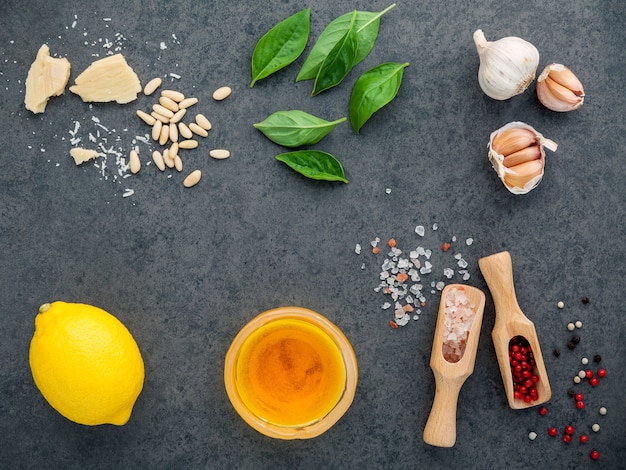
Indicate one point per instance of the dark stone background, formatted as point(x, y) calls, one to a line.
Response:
point(186, 269)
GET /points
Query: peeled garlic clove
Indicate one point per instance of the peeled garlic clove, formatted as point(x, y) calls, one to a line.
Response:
point(523, 146)
point(558, 89)
point(507, 66)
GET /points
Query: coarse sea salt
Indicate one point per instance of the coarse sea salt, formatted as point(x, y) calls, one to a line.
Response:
point(459, 313)
point(404, 277)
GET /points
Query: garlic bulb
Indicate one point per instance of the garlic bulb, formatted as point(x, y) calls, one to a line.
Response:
point(558, 89)
point(507, 66)
point(517, 155)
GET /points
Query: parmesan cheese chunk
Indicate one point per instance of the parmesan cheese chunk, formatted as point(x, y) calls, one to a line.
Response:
point(81, 155)
point(108, 79)
point(47, 77)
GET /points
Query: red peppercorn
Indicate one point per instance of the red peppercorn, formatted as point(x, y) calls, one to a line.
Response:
point(553, 432)
point(588, 374)
point(569, 429)
point(567, 438)
point(580, 404)
point(601, 373)
point(593, 381)
point(543, 411)
point(583, 439)
point(595, 455)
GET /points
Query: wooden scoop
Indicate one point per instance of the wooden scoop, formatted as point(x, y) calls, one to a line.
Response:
point(510, 321)
point(440, 428)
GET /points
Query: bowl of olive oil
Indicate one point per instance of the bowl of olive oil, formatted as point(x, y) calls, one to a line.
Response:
point(290, 373)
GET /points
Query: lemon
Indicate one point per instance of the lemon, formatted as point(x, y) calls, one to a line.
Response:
point(85, 363)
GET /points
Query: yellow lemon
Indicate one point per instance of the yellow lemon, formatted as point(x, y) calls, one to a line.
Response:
point(85, 363)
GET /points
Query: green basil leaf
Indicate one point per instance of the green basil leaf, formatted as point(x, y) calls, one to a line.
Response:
point(281, 45)
point(338, 62)
point(373, 90)
point(295, 128)
point(314, 164)
point(367, 24)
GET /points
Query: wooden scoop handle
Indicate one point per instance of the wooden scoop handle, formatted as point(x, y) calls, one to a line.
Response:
point(497, 270)
point(440, 428)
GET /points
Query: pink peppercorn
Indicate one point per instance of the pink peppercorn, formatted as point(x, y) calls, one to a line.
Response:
point(579, 397)
point(593, 381)
point(567, 438)
point(543, 411)
point(569, 429)
point(601, 373)
point(553, 432)
point(583, 439)
point(595, 455)
point(588, 374)
point(580, 405)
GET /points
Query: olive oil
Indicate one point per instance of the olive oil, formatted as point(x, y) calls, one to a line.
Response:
point(289, 372)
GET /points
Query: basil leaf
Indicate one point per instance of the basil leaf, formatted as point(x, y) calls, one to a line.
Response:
point(281, 45)
point(367, 24)
point(314, 164)
point(338, 62)
point(373, 90)
point(295, 128)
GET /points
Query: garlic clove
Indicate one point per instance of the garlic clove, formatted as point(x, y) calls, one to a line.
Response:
point(527, 154)
point(507, 66)
point(559, 90)
point(519, 168)
point(513, 140)
point(524, 174)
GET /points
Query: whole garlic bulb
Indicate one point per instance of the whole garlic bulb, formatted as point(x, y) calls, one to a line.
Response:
point(558, 89)
point(507, 66)
point(516, 152)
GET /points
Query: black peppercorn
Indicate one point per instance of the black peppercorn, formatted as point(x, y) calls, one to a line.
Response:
point(557, 352)
point(575, 339)
point(571, 392)
point(597, 358)
point(585, 300)
point(571, 345)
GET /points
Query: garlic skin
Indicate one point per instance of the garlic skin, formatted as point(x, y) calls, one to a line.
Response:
point(559, 90)
point(516, 152)
point(507, 66)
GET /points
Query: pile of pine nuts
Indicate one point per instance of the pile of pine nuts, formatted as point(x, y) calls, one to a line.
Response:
point(170, 131)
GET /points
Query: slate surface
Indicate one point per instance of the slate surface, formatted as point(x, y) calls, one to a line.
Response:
point(185, 269)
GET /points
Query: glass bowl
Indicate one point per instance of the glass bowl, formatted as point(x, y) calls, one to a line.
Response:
point(290, 373)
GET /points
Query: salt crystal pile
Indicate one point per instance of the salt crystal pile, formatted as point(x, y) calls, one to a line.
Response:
point(459, 313)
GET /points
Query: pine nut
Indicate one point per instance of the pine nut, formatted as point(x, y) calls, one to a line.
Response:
point(173, 132)
point(188, 144)
point(222, 93)
point(178, 115)
point(163, 111)
point(196, 129)
point(160, 117)
point(184, 130)
point(151, 86)
point(219, 154)
point(165, 134)
point(175, 95)
point(178, 163)
point(187, 102)
point(192, 179)
point(174, 150)
point(157, 158)
point(203, 122)
point(135, 163)
point(167, 158)
point(145, 117)
point(156, 130)
point(168, 103)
